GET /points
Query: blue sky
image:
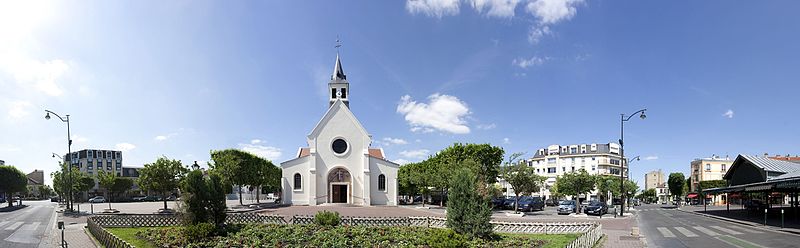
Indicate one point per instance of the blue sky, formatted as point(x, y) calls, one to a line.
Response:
point(181, 78)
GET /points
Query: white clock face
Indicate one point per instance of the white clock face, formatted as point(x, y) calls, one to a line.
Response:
point(338, 93)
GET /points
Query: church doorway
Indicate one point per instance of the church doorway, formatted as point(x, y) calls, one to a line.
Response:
point(339, 186)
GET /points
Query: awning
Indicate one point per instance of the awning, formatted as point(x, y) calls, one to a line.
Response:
point(692, 195)
point(758, 188)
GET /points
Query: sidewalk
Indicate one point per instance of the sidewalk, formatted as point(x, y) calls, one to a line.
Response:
point(622, 232)
point(75, 232)
point(744, 217)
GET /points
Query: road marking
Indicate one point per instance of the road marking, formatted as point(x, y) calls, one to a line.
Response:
point(685, 232)
point(666, 232)
point(726, 230)
point(706, 231)
point(745, 229)
point(733, 241)
point(25, 234)
point(3, 223)
point(15, 225)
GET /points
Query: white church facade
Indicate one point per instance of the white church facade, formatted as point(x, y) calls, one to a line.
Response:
point(338, 166)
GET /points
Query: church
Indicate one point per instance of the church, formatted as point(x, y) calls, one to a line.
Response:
point(338, 166)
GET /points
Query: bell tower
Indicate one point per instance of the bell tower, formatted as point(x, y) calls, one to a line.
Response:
point(338, 87)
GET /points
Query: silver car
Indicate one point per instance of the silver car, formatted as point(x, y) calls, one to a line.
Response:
point(566, 207)
point(97, 199)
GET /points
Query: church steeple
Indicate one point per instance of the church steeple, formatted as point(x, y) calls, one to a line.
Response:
point(339, 87)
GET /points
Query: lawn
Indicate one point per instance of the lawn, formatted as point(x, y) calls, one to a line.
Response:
point(316, 236)
point(129, 234)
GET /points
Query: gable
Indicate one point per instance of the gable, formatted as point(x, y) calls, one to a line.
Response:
point(338, 109)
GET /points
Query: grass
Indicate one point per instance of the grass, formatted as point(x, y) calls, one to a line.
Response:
point(129, 235)
point(553, 240)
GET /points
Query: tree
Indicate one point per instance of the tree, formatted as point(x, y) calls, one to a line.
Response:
point(13, 181)
point(121, 185)
point(523, 179)
point(676, 183)
point(468, 212)
point(195, 196)
point(576, 184)
point(45, 191)
point(236, 167)
point(106, 181)
point(486, 156)
point(648, 195)
point(216, 194)
point(268, 176)
point(162, 176)
point(82, 182)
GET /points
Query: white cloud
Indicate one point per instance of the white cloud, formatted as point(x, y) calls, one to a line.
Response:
point(125, 147)
point(417, 154)
point(255, 141)
point(536, 33)
point(651, 158)
point(394, 141)
point(525, 63)
point(728, 114)
point(79, 139)
point(506, 141)
point(553, 11)
point(443, 113)
point(19, 109)
point(401, 161)
point(436, 8)
point(266, 152)
point(497, 8)
point(486, 126)
point(165, 137)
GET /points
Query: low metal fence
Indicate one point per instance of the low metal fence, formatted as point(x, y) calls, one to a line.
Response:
point(589, 238)
point(106, 238)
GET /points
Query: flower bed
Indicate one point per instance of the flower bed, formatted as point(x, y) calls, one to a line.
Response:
point(270, 235)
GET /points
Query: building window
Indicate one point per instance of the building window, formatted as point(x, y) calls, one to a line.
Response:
point(551, 170)
point(339, 146)
point(723, 167)
point(573, 150)
point(614, 171)
point(297, 181)
point(344, 92)
point(594, 167)
point(564, 169)
point(551, 160)
point(614, 161)
point(333, 93)
point(708, 167)
point(382, 182)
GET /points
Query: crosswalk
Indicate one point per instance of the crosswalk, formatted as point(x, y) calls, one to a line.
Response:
point(22, 232)
point(713, 231)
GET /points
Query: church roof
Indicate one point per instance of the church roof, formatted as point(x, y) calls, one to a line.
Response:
point(373, 152)
point(338, 72)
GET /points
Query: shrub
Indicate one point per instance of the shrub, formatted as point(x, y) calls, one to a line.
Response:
point(468, 212)
point(326, 218)
point(445, 238)
point(198, 231)
point(216, 200)
point(195, 198)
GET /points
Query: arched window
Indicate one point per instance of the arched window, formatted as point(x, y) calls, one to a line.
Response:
point(382, 182)
point(297, 181)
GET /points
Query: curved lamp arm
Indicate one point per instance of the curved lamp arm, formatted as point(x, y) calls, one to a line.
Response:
point(634, 113)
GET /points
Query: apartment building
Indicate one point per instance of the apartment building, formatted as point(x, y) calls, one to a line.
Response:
point(706, 169)
point(653, 179)
point(662, 193)
point(555, 160)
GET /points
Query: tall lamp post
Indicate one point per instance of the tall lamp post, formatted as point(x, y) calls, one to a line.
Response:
point(69, 156)
point(623, 119)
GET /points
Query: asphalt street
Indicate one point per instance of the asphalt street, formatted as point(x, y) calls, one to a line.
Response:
point(664, 226)
point(28, 226)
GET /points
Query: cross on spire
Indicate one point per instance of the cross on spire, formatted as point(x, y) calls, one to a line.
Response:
point(338, 44)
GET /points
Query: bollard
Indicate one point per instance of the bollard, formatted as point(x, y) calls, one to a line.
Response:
point(92, 206)
point(765, 217)
point(61, 226)
point(781, 218)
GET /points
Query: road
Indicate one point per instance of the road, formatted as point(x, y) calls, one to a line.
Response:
point(669, 227)
point(28, 226)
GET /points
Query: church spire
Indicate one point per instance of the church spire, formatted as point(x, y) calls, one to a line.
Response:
point(338, 72)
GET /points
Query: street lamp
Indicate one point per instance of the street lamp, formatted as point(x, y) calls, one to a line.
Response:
point(69, 155)
point(195, 166)
point(623, 119)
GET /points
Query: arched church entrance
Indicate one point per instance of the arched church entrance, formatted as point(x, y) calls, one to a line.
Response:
point(339, 186)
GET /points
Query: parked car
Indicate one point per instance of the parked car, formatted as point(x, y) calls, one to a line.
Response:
point(552, 202)
point(97, 199)
point(140, 198)
point(596, 207)
point(171, 198)
point(498, 202)
point(54, 199)
point(637, 202)
point(528, 203)
point(566, 207)
point(509, 203)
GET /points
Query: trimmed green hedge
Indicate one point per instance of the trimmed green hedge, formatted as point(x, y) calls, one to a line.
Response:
point(340, 236)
